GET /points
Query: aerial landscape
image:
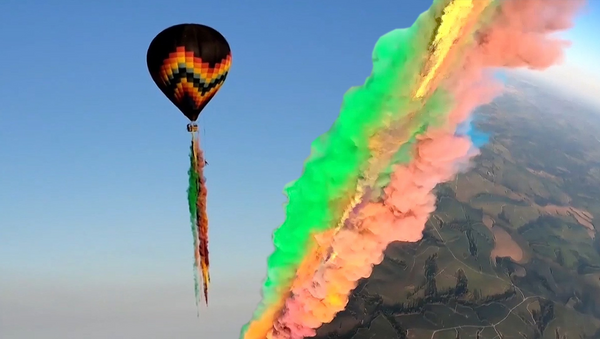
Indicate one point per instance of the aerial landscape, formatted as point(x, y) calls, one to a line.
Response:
point(511, 251)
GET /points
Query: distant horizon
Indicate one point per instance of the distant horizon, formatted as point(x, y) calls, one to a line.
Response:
point(552, 82)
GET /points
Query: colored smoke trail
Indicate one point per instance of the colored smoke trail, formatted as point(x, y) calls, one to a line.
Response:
point(197, 206)
point(439, 154)
point(511, 41)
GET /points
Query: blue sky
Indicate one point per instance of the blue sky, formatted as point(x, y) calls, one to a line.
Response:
point(95, 240)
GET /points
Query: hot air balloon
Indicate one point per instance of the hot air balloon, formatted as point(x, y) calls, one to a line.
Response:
point(189, 63)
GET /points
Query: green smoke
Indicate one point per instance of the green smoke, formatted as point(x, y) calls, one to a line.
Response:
point(192, 192)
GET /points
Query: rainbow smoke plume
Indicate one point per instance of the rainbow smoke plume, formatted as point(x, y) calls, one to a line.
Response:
point(369, 179)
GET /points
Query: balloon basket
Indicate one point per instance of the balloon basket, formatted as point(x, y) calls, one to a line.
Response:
point(192, 128)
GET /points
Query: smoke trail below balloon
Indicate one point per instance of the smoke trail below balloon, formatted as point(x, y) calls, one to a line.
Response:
point(197, 205)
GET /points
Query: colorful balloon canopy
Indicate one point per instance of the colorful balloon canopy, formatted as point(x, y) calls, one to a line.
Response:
point(189, 63)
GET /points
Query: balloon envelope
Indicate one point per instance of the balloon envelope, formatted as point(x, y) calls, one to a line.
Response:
point(189, 63)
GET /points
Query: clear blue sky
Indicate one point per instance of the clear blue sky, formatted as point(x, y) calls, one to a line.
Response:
point(95, 240)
